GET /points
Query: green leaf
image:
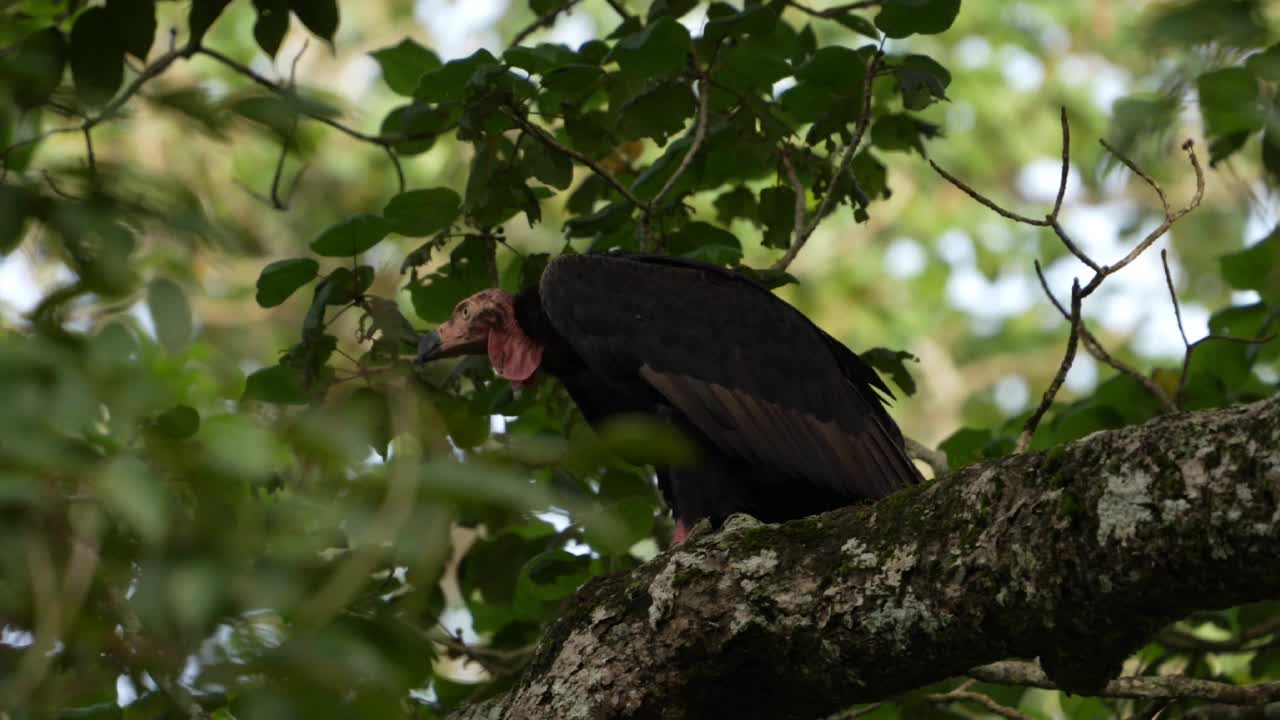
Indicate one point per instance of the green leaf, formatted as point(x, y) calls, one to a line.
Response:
point(549, 166)
point(768, 277)
point(179, 422)
point(1229, 101)
point(319, 16)
point(541, 59)
point(900, 131)
point(96, 55)
point(1187, 23)
point(658, 52)
point(657, 113)
point(351, 236)
point(282, 278)
point(466, 274)
point(708, 243)
point(136, 23)
point(901, 18)
point(201, 17)
point(448, 83)
point(1271, 151)
point(893, 363)
point(271, 24)
point(1255, 268)
point(421, 121)
point(921, 81)
point(270, 111)
point(551, 576)
point(278, 384)
point(404, 64)
point(170, 313)
point(37, 68)
point(778, 213)
point(422, 212)
point(1266, 64)
point(130, 491)
point(967, 446)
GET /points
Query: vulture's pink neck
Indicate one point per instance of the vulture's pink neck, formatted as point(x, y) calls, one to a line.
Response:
point(513, 355)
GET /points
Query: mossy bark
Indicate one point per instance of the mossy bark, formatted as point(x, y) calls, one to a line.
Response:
point(1075, 556)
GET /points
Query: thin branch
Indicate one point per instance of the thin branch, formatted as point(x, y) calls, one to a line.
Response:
point(977, 698)
point(395, 162)
point(1029, 429)
point(160, 65)
point(804, 230)
point(797, 187)
point(1181, 640)
point(88, 150)
point(699, 135)
point(1173, 295)
point(836, 11)
point(547, 19)
point(1017, 672)
point(545, 138)
point(1095, 348)
point(935, 459)
point(287, 142)
point(1169, 219)
point(1066, 166)
point(1133, 167)
point(983, 199)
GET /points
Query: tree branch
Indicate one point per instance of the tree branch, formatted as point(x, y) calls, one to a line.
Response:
point(1077, 556)
point(1142, 687)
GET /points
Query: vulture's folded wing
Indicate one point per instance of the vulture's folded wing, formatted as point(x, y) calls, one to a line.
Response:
point(747, 370)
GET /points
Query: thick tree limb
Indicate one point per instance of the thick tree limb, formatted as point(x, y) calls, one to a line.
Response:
point(1076, 556)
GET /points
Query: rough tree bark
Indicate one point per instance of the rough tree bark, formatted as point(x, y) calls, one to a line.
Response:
point(1076, 556)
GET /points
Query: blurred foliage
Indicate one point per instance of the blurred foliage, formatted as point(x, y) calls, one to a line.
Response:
point(209, 508)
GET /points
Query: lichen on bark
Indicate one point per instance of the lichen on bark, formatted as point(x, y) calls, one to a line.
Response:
point(1075, 556)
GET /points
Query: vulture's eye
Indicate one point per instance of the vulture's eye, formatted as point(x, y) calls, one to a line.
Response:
point(466, 312)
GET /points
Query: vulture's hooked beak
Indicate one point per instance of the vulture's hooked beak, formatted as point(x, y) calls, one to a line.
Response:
point(429, 347)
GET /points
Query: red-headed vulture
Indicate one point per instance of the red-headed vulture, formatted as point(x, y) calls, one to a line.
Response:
point(788, 421)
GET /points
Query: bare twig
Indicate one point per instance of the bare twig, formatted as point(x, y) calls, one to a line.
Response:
point(855, 713)
point(797, 187)
point(1095, 348)
point(1068, 357)
point(1247, 640)
point(1173, 295)
point(935, 459)
point(699, 135)
point(1066, 165)
point(983, 199)
point(545, 138)
point(88, 150)
point(836, 11)
point(547, 19)
point(977, 698)
point(804, 230)
point(1169, 218)
point(1018, 672)
point(395, 162)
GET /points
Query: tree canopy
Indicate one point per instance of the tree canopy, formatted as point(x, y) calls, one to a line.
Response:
point(226, 490)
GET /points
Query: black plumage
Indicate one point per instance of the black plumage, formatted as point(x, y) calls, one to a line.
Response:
point(788, 421)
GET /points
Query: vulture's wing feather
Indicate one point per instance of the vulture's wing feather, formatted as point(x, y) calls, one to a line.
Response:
point(747, 370)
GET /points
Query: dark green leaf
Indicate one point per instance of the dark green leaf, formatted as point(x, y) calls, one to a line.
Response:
point(657, 113)
point(404, 64)
point(708, 243)
point(271, 24)
point(351, 236)
point(659, 51)
point(277, 384)
point(541, 59)
point(270, 111)
point(738, 203)
point(1271, 151)
point(448, 82)
point(136, 23)
point(921, 81)
point(38, 67)
point(777, 212)
point(1233, 23)
point(901, 18)
point(280, 279)
point(170, 313)
point(1266, 64)
point(768, 277)
point(1222, 147)
point(420, 121)
point(893, 363)
point(422, 212)
point(179, 422)
point(900, 131)
point(201, 17)
point(466, 274)
point(319, 16)
point(966, 446)
point(96, 55)
point(1229, 101)
point(549, 166)
point(1255, 268)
